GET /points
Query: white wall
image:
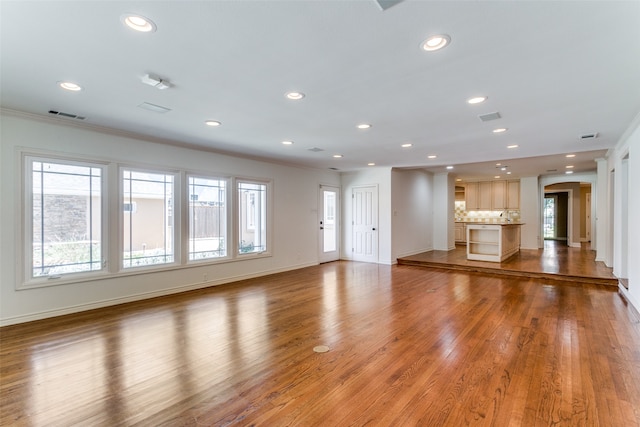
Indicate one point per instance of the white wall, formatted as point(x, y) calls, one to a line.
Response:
point(443, 212)
point(412, 212)
point(380, 177)
point(295, 203)
point(629, 145)
point(530, 213)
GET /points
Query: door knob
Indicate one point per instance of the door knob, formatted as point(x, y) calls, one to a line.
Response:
point(374, 229)
point(321, 228)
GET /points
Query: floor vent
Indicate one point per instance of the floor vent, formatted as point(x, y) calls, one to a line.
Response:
point(67, 115)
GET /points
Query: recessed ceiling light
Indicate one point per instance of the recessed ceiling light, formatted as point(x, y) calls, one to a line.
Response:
point(407, 145)
point(513, 146)
point(337, 156)
point(436, 42)
point(449, 167)
point(138, 23)
point(569, 167)
point(364, 126)
point(458, 179)
point(499, 130)
point(432, 156)
point(70, 86)
point(570, 155)
point(497, 176)
point(287, 142)
point(371, 164)
point(508, 173)
point(498, 164)
point(213, 123)
point(503, 168)
point(569, 172)
point(295, 95)
point(476, 99)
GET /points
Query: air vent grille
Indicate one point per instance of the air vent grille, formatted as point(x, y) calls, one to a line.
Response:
point(67, 115)
point(489, 116)
point(589, 136)
point(315, 149)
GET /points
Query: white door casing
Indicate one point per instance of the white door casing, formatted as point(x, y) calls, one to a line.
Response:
point(329, 223)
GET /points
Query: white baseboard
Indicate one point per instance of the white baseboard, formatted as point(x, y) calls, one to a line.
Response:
point(142, 296)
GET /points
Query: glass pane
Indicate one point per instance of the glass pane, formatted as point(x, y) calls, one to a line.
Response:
point(147, 218)
point(252, 199)
point(207, 218)
point(66, 222)
point(329, 221)
point(549, 217)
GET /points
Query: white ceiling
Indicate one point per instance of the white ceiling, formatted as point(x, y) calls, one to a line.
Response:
point(554, 70)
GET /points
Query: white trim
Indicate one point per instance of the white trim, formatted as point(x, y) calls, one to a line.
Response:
point(142, 296)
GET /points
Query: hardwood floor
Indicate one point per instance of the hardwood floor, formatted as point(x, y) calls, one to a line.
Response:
point(408, 346)
point(556, 261)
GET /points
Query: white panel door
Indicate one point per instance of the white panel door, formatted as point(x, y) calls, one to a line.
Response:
point(329, 213)
point(365, 224)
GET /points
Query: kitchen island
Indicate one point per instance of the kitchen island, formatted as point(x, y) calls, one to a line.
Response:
point(492, 241)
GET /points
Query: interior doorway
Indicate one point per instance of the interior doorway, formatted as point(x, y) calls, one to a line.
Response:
point(555, 216)
point(365, 224)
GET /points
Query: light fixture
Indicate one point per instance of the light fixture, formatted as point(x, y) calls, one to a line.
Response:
point(477, 99)
point(156, 81)
point(287, 142)
point(436, 42)
point(138, 23)
point(458, 179)
point(497, 176)
point(569, 167)
point(407, 145)
point(498, 164)
point(432, 156)
point(337, 156)
point(499, 130)
point(449, 167)
point(73, 87)
point(513, 146)
point(503, 168)
point(569, 172)
point(570, 155)
point(364, 126)
point(508, 173)
point(295, 95)
point(371, 164)
point(213, 123)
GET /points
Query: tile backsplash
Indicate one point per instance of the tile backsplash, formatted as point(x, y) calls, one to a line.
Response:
point(461, 214)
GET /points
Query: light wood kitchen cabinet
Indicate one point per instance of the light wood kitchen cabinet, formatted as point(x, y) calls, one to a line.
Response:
point(492, 195)
point(484, 196)
point(513, 194)
point(498, 195)
point(471, 196)
point(460, 232)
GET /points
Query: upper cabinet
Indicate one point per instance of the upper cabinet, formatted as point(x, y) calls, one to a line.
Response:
point(513, 194)
point(498, 195)
point(492, 195)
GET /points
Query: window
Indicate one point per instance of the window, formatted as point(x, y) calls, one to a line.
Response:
point(207, 218)
point(252, 217)
point(64, 208)
point(147, 218)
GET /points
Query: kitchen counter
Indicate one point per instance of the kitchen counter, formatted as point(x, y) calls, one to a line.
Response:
point(492, 241)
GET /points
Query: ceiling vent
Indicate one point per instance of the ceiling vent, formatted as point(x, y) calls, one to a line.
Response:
point(67, 115)
point(386, 4)
point(153, 107)
point(592, 135)
point(334, 169)
point(489, 116)
point(315, 149)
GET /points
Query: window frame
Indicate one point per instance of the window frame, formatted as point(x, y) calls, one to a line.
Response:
point(176, 245)
point(237, 219)
point(229, 238)
point(26, 278)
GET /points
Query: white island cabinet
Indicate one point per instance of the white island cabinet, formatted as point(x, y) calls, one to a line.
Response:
point(492, 242)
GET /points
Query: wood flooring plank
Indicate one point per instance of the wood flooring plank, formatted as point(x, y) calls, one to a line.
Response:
point(408, 346)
